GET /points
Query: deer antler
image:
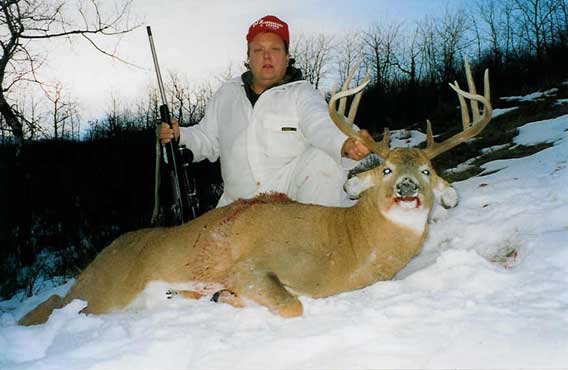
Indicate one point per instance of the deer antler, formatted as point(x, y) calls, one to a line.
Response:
point(345, 123)
point(470, 129)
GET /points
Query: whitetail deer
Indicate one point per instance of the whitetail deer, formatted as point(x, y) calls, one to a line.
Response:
point(270, 250)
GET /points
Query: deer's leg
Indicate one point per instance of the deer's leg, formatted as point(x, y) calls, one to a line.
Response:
point(226, 296)
point(265, 289)
point(189, 294)
point(196, 291)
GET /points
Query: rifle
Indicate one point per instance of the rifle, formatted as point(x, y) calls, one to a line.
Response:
point(182, 195)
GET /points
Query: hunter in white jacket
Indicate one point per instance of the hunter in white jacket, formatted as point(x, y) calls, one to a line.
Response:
point(285, 143)
point(271, 129)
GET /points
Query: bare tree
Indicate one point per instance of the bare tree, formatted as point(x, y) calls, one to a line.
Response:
point(31, 112)
point(407, 58)
point(188, 102)
point(428, 46)
point(24, 23)
point(115, 116)
point(348, 54)
point(452, 32)
point(507, 26)
point(148, 111)
point(74, 123)
point(200, 95)
point(313, 56)
point(478, 40)
point(380, 43)
point(491, 33)
point(178, 94)
point(534, 16)
point(442, 41)
point(63, 112)
point(562, 19)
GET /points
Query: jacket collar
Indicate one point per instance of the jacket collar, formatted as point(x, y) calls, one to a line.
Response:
point(292, 75)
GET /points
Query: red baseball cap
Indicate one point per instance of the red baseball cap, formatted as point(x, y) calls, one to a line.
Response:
point(269, 23)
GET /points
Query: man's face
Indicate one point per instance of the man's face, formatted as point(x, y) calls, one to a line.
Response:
point(268, 60)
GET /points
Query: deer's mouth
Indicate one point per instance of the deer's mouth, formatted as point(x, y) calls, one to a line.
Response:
point(407, 193)
point(408, 202)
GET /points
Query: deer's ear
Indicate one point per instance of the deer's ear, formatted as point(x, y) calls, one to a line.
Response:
point(357, 184)
point(445, 194)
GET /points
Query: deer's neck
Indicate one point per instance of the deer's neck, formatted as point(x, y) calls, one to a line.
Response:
point(384, 242)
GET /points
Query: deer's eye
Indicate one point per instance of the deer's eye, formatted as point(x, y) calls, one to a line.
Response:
point(426, 172)
point(387, 171)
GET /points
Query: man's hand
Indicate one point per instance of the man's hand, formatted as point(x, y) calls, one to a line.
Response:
point(355, 149)
point(167, 133)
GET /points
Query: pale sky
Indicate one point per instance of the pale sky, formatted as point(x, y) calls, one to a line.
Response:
point(201, 39)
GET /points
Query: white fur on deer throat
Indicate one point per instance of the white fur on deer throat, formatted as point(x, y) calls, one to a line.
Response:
point(407, 216)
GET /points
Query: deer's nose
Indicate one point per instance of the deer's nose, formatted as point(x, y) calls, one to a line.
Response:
point(406, 187)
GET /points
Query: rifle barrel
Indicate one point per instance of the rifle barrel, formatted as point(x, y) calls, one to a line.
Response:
point(157, 66)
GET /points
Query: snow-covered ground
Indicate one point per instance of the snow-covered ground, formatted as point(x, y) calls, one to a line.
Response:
point(489, 290)
point(500, 111)
point(533, 96)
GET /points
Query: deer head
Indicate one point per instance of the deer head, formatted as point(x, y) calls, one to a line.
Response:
point(405, 182)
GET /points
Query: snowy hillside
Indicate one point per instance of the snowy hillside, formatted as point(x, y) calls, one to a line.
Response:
point(489, 290)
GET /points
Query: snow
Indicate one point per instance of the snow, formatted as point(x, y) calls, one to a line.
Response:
point(501, 111)
point(543, 132)
point(487, 291)
point(494, 148)
point(464, 166)
point(532, 97)
point(406, 138)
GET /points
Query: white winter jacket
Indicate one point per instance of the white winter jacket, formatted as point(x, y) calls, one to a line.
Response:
point(261, 148)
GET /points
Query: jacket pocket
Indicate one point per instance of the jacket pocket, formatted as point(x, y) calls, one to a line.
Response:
point(282, 136)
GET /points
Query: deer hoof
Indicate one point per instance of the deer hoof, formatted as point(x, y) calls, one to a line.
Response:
point(294, 309)
point(226, 296)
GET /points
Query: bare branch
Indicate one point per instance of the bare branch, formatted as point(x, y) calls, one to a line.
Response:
point(27, 22)
point(112, 55)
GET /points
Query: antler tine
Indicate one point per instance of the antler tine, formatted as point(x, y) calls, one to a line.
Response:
point(472, 89)
point(470, 129)
point(486, 90)
point(429, 134)
point(345, 87)
point(345, 124)
point(355, 103)
point(466, 123)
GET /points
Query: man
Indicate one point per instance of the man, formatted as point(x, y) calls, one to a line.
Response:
point(271, 129)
